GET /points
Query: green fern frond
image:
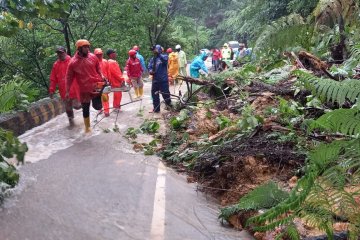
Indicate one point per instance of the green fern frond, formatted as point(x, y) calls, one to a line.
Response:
point(345, 121)
point(330, 90)
point(350, 64)
point(274, 224)
point(296, 198)
point(262, 197)
point(317, 215)
point(227, 212)
point(292, 232)
point(288, 31)
point(320, 195)
point(319, 158)
point(325, 154)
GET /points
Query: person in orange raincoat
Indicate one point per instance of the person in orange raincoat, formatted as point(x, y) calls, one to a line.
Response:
point(104, 66)
point(115, 77)
point(57, 78)
point(84, 68)
point(173, 65)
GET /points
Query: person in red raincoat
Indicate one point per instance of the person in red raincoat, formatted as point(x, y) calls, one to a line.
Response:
point(134, 72)
point(57, 78)
point(84, 68)
point(104, 69)
point(216, 58)
point(115, 77)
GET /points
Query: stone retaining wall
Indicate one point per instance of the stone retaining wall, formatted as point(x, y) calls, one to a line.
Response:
point(38, 113)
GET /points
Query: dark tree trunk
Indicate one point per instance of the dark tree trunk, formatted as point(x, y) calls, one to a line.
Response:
point(338, 51)
point(67, 39)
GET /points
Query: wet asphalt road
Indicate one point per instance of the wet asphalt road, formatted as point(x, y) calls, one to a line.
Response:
point(86, 187)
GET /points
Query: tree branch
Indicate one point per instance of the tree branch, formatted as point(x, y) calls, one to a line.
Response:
point(53, 28)
point(12, 67)
point(45, 83)
point(101, 19)
point(173, 7)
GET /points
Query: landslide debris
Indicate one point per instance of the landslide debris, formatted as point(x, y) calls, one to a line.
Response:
point(245, 129)
point(246, 133)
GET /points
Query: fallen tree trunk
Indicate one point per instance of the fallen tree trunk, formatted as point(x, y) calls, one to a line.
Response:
point(314, 63)
point(256, 86)
point(196, 81)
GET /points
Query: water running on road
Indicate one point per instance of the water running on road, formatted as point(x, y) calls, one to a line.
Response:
point(91, 187)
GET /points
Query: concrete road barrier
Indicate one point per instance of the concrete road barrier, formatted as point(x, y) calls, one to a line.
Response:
point(38, 113)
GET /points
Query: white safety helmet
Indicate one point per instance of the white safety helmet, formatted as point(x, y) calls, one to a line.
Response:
point(178, 47)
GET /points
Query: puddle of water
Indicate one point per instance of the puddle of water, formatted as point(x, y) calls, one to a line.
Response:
point(55, 135)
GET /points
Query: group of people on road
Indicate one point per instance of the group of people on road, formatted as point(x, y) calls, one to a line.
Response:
point(221, 58)
point(79, 77)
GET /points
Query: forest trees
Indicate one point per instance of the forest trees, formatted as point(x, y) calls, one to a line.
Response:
point(30, 31)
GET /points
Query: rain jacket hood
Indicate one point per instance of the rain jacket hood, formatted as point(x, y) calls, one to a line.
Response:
point(197, 64)
point(203, 56)
point(158, 48)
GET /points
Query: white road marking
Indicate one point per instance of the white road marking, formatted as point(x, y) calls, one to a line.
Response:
point(158, 217)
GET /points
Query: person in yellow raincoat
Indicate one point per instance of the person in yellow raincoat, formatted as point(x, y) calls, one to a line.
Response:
point(173, 65)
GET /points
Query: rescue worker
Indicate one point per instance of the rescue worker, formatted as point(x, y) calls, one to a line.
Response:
point(173, 65)
point(182, 60)
point(216, 58)
point(134, 71)
point(104, 70)
point(225, 55)
point(197, 64)
point(158, 69)
point(140, 57)
point(115, 77)
point(84, 68)
point(58, 78)
point(243, 51)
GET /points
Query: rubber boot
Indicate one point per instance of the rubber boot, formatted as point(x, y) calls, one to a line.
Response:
point(87, 125)
point(141, 92)
point(136, 92)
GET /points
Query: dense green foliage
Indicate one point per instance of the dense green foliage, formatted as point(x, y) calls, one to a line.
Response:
point(30, 30)
point(10, 146)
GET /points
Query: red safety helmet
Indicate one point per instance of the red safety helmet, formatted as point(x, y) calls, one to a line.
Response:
point(169, 50)
point(132, 52)
point(136, 48)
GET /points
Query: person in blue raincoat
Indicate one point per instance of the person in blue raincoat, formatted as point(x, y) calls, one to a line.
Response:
point(140, 57)
point(197, 64)
point(158, 68)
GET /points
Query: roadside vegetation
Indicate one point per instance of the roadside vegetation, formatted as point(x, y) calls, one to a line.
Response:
point(10, 149)
point(275, 137)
